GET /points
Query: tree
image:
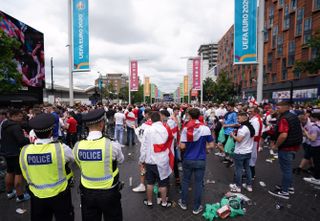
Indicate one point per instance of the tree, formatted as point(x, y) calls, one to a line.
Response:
point(124, 93)
point(313, 65)
point(137, 96)
point(10, 78)
point(208, 89)
point(223, 89)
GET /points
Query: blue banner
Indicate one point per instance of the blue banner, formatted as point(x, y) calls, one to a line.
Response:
point(245, 31)
point(80, 33)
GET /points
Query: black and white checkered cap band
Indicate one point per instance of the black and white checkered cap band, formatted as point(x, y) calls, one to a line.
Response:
point(96, 121)
point(44, 130)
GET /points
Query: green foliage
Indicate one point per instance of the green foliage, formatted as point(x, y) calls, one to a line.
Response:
point(10, 78)
point(137, 96)
point(312, 66)
point(124, 93)
point(219, 91)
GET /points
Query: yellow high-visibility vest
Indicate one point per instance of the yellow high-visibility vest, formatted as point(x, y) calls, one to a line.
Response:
point(43, 167)
point(94, 157)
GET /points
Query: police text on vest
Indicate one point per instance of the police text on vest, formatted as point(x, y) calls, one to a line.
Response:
point(39, 159)
point(90, 155)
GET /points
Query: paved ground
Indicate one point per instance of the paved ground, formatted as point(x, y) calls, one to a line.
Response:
point(304, 205)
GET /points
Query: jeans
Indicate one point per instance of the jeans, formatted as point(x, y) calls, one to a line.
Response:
point(198, 168)
point(285, 161)
point(130, 136)
point(242, 161)
point(118, 133)
point(315, 153)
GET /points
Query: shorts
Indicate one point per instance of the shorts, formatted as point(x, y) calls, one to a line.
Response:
point(307, 151)
point(13, 165)
point(152, 176)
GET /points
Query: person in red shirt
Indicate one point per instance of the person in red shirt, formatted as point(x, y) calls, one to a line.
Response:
point(71, 129)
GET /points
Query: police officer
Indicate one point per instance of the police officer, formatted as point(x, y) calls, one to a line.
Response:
point(43, 165)
point(97, 158)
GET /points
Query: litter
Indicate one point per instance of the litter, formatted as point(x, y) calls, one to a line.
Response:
point(21, 211)
point(130, 181)
point(262, 184)
point(129, 154)
point(211, 182)
point(269, 160)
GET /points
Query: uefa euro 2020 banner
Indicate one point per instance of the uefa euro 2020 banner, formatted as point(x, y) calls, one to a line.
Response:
point(245, 31)
point(80, 33)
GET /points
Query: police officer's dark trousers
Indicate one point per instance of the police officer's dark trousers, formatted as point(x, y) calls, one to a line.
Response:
point(94, 203)
point(60, 206)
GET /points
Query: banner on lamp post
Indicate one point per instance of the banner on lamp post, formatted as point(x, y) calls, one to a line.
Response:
point(147, 86)
point(153, 92)
point(134, 80)
point(80, 35)
point(196, 73)
point(185, 85)
point(245, 32)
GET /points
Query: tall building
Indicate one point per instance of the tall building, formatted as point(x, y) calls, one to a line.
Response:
point(289, 24)
point(118, 80)
point(209, 53)
point(241, 75)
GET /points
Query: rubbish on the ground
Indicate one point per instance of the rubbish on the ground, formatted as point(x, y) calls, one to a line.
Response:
point(174, 204)
point(21, 211)
point(279, 206)
point(275, 156)
point(130, 181)
point(210, 181)
point(240, 195)
point(262, 184)
point(269, 160)
point(129, 154)
point(228, 207)
point(224, 211)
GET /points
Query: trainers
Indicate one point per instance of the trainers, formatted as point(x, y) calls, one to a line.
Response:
point(139, 189)
point(11, 195)
point(197, 211)
point(290, 189)
point(247, 187)
point(280, 193)
point(235, 188)
point(26, 197)
point(182, 205)
point(312, 180)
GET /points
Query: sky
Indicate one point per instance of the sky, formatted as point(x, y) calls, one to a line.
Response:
point(160, 31)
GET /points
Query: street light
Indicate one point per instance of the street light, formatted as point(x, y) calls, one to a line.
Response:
point(100, 85)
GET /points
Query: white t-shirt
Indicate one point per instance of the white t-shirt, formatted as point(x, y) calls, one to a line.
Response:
point(119, 118)
point(246, 145)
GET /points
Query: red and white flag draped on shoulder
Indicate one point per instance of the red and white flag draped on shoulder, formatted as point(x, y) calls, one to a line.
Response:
point(192, 131)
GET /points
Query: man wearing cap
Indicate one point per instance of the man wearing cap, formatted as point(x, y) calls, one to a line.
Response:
point(97, 158)
point(43, 165)
point(288, 141)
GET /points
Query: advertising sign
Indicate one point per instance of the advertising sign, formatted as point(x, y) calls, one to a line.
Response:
point(147, 86)
point(134, 80)
point(185, 85)
point(30, 56)
point(245, 32)
point(80, 34)
point(196, 73)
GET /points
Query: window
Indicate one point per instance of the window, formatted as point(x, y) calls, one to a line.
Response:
point(280, 46)
point(314, 53)
point(270, 61)
point(296, 74)
point(271, 16)
point(293, 5)
point(291, 53)
point(316, 5)
point(307, 30)
point(273, 78)
point(265, 76)
point(280, 2)
point(284, 72)
point(286, 18)
point(299, 21)
point(265, 32)
point(274, 36)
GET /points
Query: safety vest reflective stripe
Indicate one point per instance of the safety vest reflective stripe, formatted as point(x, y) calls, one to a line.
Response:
point(107, 164)
point(61, 177)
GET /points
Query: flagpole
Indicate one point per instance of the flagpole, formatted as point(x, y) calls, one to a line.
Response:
point(201, 73)
point(260, 51)
point(129, 82)
point(71, 102)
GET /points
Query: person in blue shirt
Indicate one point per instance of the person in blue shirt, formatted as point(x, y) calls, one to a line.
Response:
point(196, 139)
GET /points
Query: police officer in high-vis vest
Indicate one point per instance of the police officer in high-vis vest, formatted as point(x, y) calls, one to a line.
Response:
point(43, 165)
point(97, 158)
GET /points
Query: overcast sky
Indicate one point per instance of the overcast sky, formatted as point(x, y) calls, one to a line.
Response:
point(161, 31)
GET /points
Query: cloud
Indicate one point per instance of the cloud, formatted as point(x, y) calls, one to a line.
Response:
point(159, 31)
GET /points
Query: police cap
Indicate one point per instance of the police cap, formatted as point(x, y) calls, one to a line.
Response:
point(94, 116)
point(42, 122)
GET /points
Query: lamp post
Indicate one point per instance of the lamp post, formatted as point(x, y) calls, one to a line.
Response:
point(291, 92)
point(100, 85)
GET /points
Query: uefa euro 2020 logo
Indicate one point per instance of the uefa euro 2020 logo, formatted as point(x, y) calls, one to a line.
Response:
point(80, 5)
